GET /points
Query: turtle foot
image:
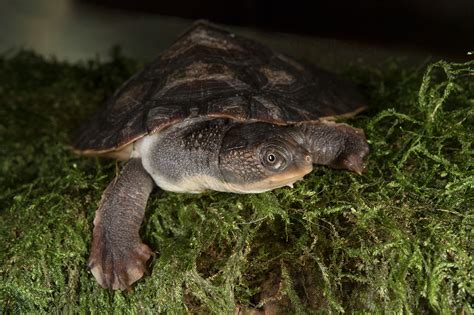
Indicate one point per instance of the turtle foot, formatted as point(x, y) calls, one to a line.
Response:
point(117, 267)
point(355, 149)
point(118, 256)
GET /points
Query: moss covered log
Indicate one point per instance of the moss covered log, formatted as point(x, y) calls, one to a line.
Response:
point(398, 238)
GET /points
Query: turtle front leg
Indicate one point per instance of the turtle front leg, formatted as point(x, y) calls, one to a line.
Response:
point(118, 256)
point(336, 145)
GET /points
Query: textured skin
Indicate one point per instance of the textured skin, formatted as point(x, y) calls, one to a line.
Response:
point(118, 256)
point(183, 152)
point(238, 162)
point(209, 72)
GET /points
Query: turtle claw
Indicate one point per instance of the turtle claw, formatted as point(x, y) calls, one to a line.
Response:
point(117, 268)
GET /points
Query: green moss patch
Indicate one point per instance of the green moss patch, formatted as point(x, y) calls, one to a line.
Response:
point(398, 238)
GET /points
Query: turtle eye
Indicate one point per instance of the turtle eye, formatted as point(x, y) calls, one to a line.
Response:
point(271, 158)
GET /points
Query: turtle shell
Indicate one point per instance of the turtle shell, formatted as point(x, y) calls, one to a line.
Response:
point(210, 72)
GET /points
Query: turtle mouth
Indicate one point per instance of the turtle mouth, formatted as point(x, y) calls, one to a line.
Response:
point(287, 178)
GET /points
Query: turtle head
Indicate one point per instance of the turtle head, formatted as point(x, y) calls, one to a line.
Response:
point(257, 157)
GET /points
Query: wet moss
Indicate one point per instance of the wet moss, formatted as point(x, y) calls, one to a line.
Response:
point(397, 239)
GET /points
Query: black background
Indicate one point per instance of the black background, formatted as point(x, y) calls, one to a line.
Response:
point(444, 26)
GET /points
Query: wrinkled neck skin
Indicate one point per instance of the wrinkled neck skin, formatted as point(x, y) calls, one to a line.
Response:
point(185, 157)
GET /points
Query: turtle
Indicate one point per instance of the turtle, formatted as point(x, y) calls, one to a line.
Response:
point(215, 111)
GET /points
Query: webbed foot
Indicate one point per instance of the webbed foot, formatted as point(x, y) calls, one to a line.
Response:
point(118, 256)
point(117, 266)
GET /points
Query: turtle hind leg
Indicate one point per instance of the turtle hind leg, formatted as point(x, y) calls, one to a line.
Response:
point(118, 256)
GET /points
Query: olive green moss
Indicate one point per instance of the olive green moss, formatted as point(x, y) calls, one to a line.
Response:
point(397, 239)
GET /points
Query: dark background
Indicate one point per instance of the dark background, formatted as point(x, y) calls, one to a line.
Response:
point(328, 33)
point(445, 26)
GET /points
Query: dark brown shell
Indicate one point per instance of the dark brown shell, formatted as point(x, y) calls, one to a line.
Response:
point(209, 72)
